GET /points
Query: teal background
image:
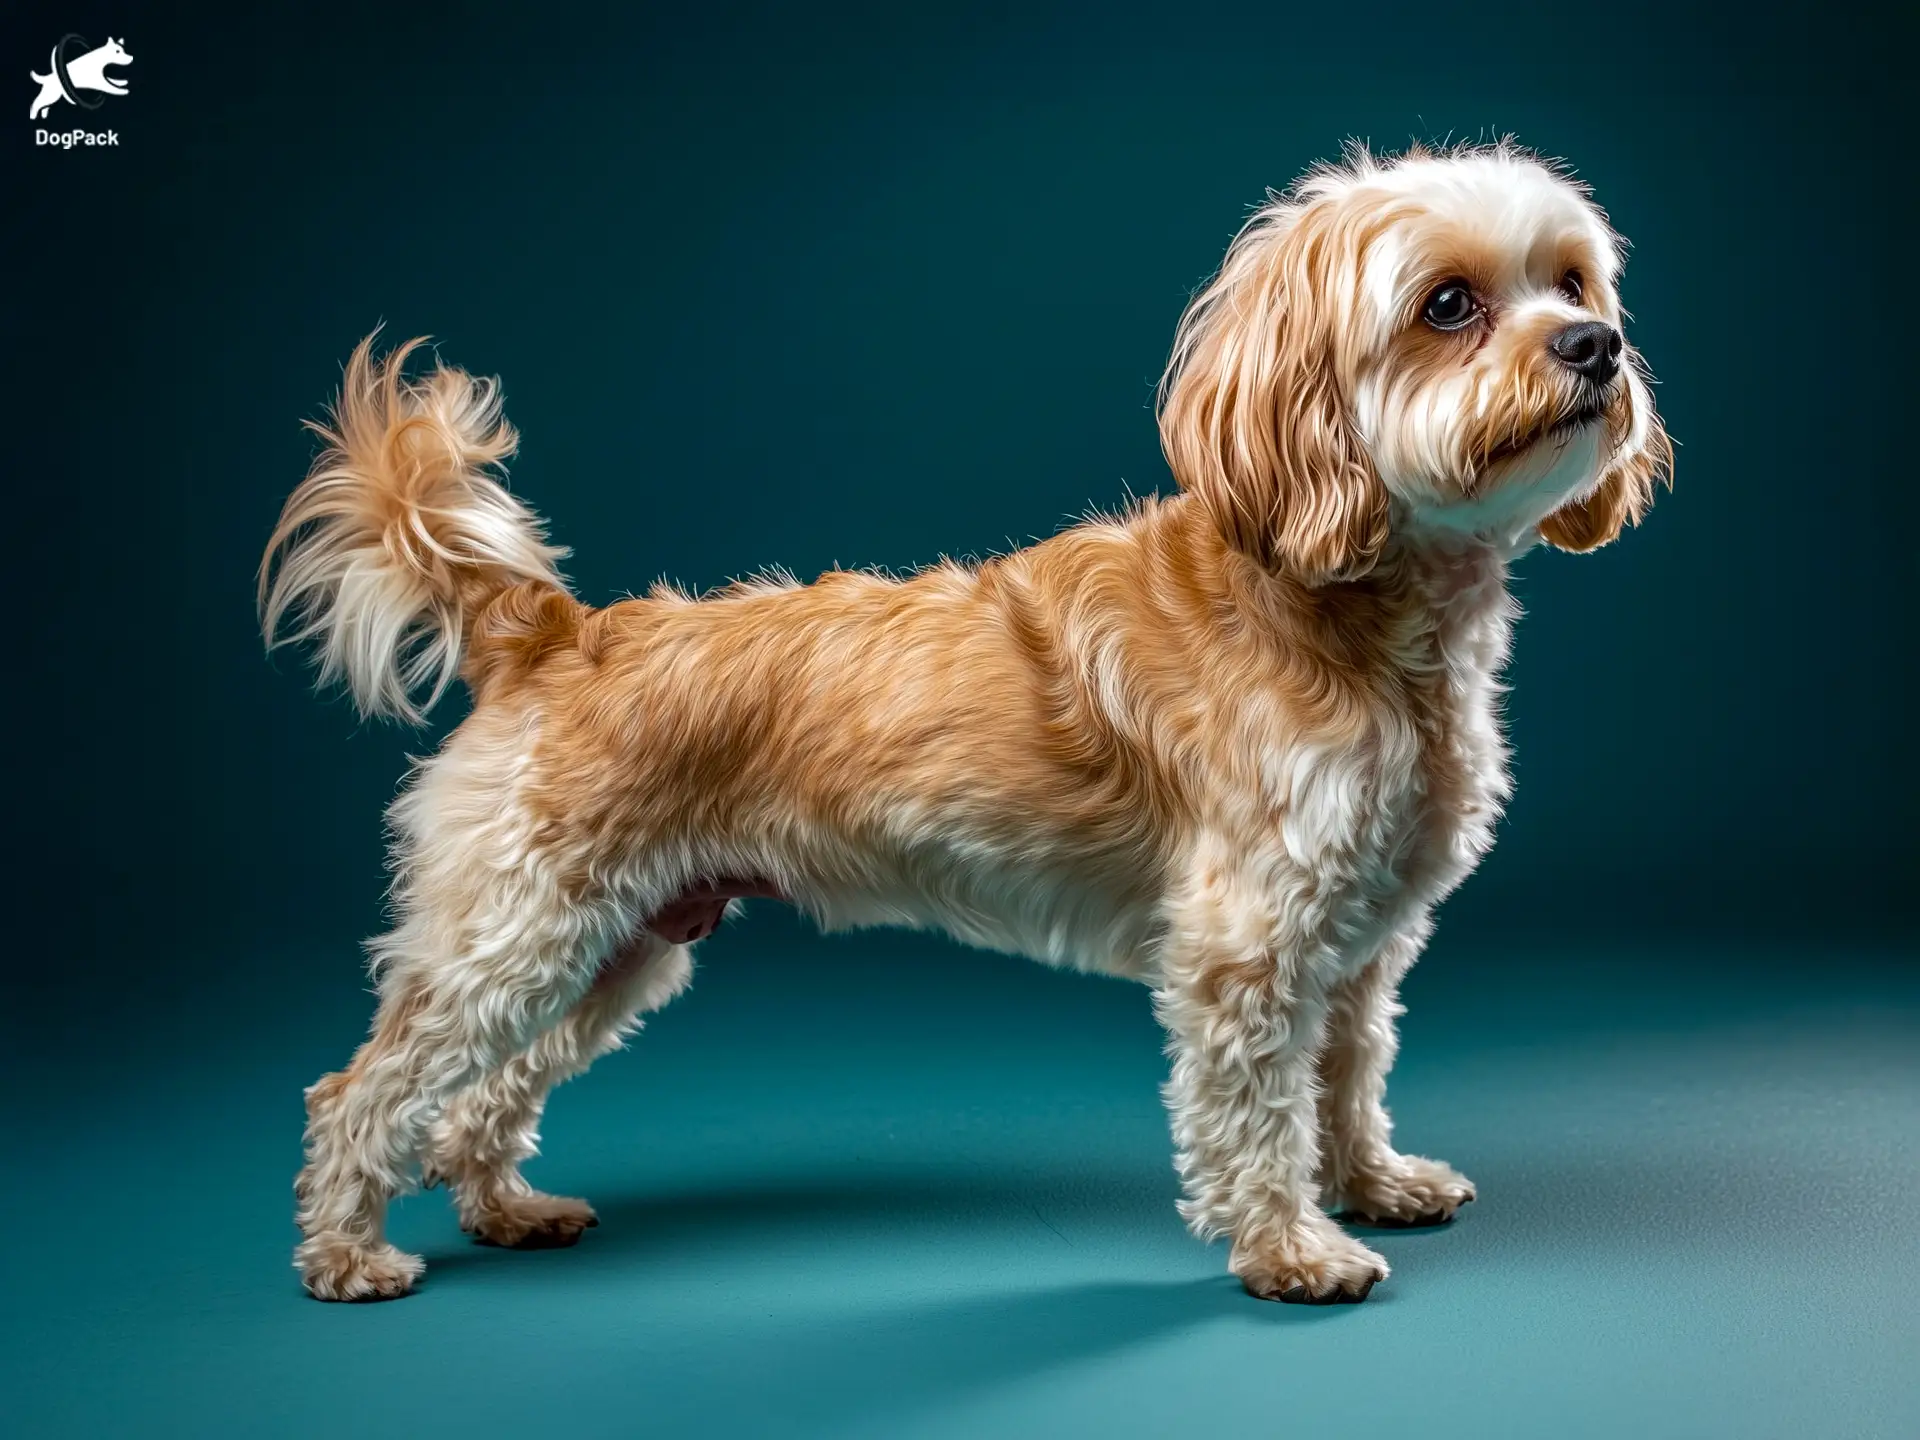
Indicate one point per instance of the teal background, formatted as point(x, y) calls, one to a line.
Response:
point(865, 286)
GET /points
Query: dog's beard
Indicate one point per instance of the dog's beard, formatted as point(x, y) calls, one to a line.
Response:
point(1503, 499)
point(1586, 409)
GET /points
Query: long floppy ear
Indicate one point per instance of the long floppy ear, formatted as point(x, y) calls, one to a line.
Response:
point(1625, 492)
point(1252, 417)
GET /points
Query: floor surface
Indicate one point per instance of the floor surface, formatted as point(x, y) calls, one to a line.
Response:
point(928, 1193)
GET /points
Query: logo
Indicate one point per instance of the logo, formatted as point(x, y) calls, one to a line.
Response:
point(78, 76)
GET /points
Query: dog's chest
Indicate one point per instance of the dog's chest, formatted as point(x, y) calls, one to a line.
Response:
point(1384, 820)
point(1443, 808)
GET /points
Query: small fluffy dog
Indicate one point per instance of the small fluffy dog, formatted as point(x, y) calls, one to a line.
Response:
point(1234, 744)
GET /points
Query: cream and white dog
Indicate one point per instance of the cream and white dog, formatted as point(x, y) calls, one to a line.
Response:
point(1235, 744)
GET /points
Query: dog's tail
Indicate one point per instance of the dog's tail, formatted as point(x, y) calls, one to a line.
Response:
point(402, 537)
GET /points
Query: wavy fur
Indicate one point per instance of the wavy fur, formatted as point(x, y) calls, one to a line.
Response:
point(401, 535)
point(1236, 744)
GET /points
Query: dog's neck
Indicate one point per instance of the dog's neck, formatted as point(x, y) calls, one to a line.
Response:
point(1468, 609)
point(1437, 605)
point(1451, 573)
point(1431, 604)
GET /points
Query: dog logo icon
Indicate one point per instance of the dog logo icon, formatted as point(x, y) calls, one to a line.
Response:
point(76, 74)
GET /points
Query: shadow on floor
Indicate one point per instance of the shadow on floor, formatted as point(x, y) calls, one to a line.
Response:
point(879, 1367)
point(849, 1363)
point(893, 1202)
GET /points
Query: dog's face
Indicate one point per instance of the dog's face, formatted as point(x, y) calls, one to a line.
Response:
point(113, 53)
point(1432, 346)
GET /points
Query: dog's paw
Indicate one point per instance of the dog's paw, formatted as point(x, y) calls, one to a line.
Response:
point(1409, 1192)
point(334, 1268)
point(529, 1222)
point(1314, 1263)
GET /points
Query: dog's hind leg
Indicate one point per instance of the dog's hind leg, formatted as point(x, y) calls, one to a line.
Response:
point(502, 930)
point(488, 1130)
point(438, 1027)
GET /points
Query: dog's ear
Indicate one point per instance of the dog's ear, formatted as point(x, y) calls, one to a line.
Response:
point(1253, 420)
point(1625, 491)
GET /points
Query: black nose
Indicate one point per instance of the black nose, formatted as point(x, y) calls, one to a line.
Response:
point(1592, 348)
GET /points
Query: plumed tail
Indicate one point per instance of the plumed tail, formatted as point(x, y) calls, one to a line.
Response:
point(401, 535)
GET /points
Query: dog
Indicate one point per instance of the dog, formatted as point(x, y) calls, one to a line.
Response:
point(1235, 743)
point(87, 72)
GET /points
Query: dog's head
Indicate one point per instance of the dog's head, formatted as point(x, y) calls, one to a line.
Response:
point(1431, 345)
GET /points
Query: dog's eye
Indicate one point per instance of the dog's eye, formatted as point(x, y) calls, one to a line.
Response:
point(1450, 306)
point(1572, 289)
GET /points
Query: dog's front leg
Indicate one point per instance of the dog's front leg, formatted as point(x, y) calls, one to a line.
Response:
point(1244, 1024)
point(1360, 1171)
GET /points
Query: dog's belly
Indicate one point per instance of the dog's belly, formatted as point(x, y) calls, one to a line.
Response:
point(1055, 920)
point(1098, 933)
